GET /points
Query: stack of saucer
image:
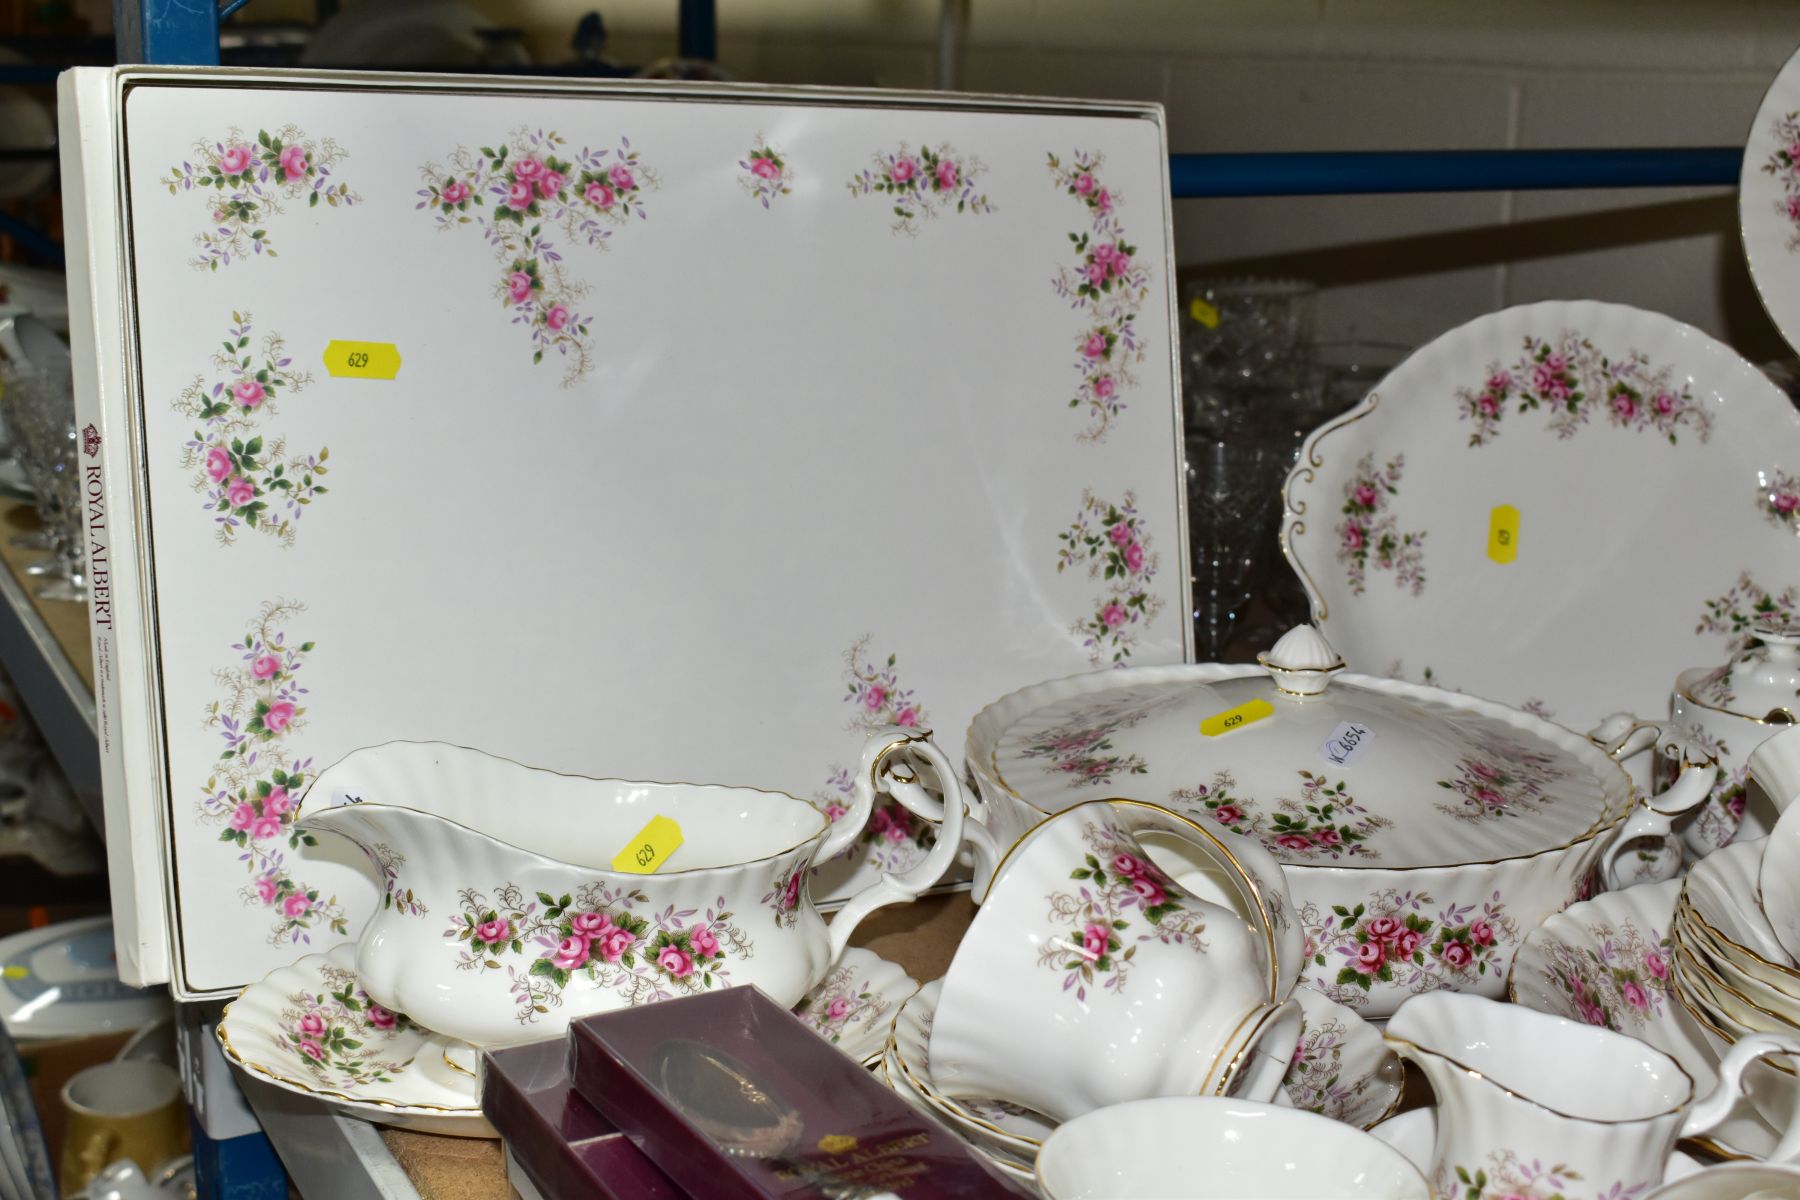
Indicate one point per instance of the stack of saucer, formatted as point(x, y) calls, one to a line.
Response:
point(1731, 973)
point(310, 1028)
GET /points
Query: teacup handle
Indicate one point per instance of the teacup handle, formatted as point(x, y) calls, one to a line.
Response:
point(1711, 1112)
point(884, 770)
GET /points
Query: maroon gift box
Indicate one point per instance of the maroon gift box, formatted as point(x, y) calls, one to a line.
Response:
point(735, 1098)
point(569, 1151)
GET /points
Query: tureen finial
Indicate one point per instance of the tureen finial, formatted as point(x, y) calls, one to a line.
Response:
point(1302, 662)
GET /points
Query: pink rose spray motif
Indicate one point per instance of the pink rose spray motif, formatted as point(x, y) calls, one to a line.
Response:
point(845, 1004)
point(1620, 979)
point(245, 480)
point(1571, 378)
point(1395, 939)
point(1106, 284)
point(340, 1037)
point(1121, 899)
point(1779, 497)
point(1080, 749)
point(598, 934)
point(1507, 784)
point(1508, 1176)
point(921, 184)
point(519, 193)
point(894, 838)
point(1370, 536)
point(246, 181)
point(1783, 164)
point(1323, 824)
point(765, 172)
point(1112, 542)
point(1738, 610)
point(250, 793)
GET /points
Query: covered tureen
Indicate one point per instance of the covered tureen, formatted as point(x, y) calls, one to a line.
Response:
point(1423, 832)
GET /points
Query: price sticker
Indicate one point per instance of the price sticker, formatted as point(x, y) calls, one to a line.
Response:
point(646, 853)
point(1237, 718)
point(362, 360)
point(1503, 534)
point(1203, 312)
point(1348, 742)
point(16, 972)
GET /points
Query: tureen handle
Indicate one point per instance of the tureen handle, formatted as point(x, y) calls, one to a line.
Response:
point(886, 769)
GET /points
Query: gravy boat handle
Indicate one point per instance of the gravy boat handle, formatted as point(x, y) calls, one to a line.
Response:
point(1711, 1111)
point(885, 769)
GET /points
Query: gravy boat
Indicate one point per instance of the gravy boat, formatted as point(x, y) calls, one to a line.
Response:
point(511, 904)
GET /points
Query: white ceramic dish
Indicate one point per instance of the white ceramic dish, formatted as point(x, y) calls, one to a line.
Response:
point(1778, 881)
point(1450, 526)
point(1416, 859)
point(405, 1076)
point(1730, 964)
point(1721, 888)
point(1609, 961)
point(1210, 1148)
point(657, 527)
point(1769, 200)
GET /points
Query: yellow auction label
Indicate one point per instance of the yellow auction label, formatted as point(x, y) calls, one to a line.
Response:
point(1237, 718)
point(1503, 534)
point(650, 849)
point(362, 360)
point(17, 972)
point(1203, 312)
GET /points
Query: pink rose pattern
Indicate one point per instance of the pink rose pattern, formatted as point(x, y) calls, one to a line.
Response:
point(1081, 750)
point(245, 183)
point(1395, 938)
point(257, 780)
point(844, 1006)
point(923, 183)
point(1314, 1081)
point(894, 839)
point(786, 890)
point(1122, 898)
point(1111, 540)
point(1509, 782)
point(1107, 285)
point(1734, 613)
point(1571, 378)
point(1784, 166)
point(765, 172)
point(245, 481)
point(518, 193)
point(1780, 501)
point(1507, 1176)
point(597, 933)
point(1325, 824)
point(343, 1039)
point(1370, 535)
point(1622, 982)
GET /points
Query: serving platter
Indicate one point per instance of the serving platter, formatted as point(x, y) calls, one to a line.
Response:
point(1559, 506)
point(723, 424)
point(1769, 200)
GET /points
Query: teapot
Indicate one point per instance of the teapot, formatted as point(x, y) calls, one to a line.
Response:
point(516, 900)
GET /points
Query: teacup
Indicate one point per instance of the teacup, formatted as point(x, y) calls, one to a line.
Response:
point(1527, 1101)
point(517, 900)
point(1207, 1148)
point(1089, 977)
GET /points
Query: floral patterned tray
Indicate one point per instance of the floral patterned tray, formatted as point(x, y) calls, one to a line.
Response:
point(1769, 200)
point(1560, 507)
point(722, 431)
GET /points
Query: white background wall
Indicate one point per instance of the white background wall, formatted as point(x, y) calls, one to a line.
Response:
point(1266, 75)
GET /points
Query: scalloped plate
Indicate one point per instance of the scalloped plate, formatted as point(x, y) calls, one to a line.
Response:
point(1464, 524)
point(1769, 200)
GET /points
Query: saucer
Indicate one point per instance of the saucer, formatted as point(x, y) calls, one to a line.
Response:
point(1413, 1134)
point(855, 1004)
point(309, 1028)
point(1342, 1069)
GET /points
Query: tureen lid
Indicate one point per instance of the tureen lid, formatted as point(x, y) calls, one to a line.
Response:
point(1762, 683)
point(1322, 766)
